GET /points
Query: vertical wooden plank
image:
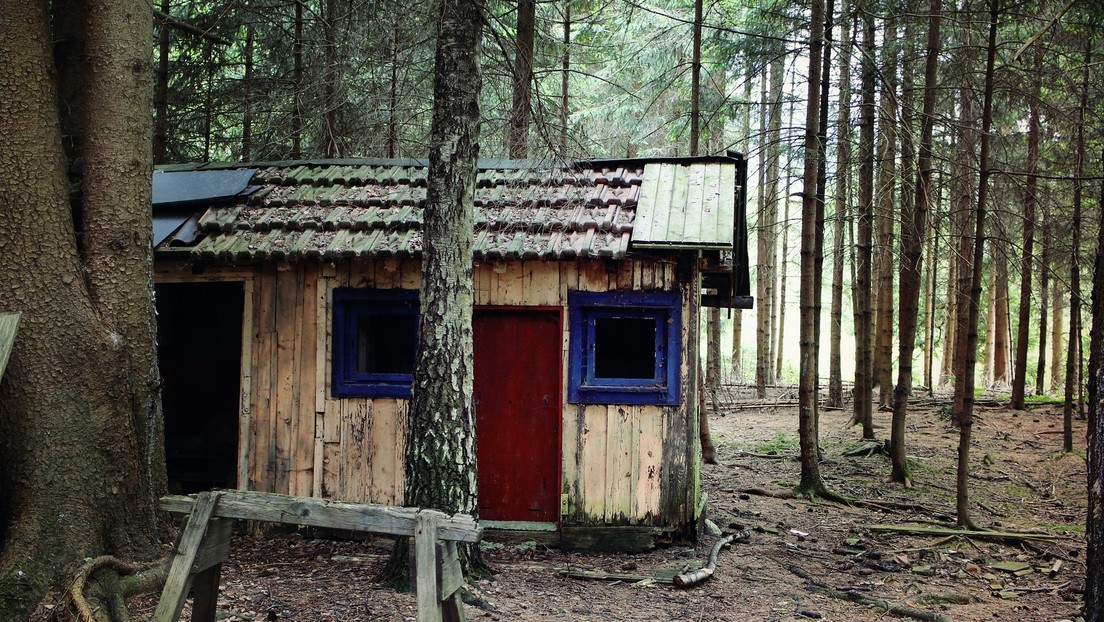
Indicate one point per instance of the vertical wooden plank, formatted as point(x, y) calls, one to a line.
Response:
point(625, 270)
point(512, 285)
point(287, 307)
point(332, 478)
point(205, 586)
point(307, 337)
point(359, 274)
point(180, 573)
point(410, 274)
point(245, 400)
point(264, 362)
point(542, 283)
point(425, 564)
point(324, 319)
point(355, 454)
point(594, 461)
point(479, 286)
point(387, 449)
point(388, 275)
point(570, 458)
point(650, 455)
point(619, 482)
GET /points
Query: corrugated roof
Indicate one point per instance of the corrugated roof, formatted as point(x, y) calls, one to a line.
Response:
point(373, 208)
point(687, 205)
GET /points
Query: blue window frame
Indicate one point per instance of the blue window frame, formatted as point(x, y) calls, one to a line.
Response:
point(625, 348)
point(375, 333)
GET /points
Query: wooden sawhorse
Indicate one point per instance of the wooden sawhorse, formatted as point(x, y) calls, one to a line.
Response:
point(205, 543)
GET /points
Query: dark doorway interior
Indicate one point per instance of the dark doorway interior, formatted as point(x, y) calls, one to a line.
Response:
point(199, 334)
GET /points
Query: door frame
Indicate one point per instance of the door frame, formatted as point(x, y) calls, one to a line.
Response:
point(245, 372)
point(561, 391)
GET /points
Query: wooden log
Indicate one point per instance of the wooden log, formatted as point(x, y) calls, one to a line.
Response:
point(311, 512)
point(694, 577)
point(941, 531)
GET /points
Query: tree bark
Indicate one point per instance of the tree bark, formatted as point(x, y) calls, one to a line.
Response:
point(839, 221)
point(966, 422)
point(1030, 200)
point(864, 393)
point(1094, 532)
point(811, 481)
point(440, 447)
point(518, 134)
point(885, 200)
point(766, 244)
point(1044, 297)
point(913, 225)
point(81, 457)
point(1073, 356)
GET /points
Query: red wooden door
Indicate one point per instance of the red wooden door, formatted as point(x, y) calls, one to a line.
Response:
point(517, 408)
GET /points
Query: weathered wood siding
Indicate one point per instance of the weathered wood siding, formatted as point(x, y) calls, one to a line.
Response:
point(621, 464)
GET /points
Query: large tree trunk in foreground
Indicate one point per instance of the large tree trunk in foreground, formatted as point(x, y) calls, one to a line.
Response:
point(1094, 532)
point(81, 456)
point(1073, 355)
point(440, 444)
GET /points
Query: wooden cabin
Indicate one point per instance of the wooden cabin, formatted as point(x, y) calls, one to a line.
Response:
point(287, 296)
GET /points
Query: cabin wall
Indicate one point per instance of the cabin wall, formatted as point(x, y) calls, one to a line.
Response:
point(620, 464)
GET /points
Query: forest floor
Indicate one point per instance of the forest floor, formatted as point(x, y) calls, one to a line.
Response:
point(1020, 481)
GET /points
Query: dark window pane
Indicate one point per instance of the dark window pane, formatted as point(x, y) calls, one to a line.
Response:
point(624, 347)
point(386, 343)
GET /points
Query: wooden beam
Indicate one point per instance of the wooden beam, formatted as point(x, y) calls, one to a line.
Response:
point(180, 574)
point(311, 512)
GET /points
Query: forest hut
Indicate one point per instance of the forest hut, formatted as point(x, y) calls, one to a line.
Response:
point(287, 297)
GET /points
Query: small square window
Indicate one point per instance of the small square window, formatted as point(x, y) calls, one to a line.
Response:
point(375, 342)
point(625, 348)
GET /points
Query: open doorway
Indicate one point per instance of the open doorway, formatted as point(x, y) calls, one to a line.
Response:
point(199, 334)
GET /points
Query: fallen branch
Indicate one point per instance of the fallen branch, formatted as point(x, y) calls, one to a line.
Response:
point(862, 599)
point(766, 456)
point(969, 533)
point(694, 577)
point(766, 493)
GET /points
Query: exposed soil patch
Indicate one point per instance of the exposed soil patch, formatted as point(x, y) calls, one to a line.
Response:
point(1020, 482)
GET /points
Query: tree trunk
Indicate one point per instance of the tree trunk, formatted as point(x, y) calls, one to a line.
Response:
point(811, 481)
point(766, 232)
point(297, 84)
point(884, 190)
point(440, 448)
point(913, 225)
point(518, 134)
point(1030, 200)
point(1058, 303)
point(782, 263)
point(1001, 325)
point(247, 104)
point(966, 422)
point(1044, 297)
point(1073, 356)
point(331, 84)
point(843, 174)
point(1094, 532)
point(864, 393)
point(81, 457)
point(161, 90)
point(564, 75)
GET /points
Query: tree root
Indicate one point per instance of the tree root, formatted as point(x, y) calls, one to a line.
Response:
point(855, 597)
point(145, 578)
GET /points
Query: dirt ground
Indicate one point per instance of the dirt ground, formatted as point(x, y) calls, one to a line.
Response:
point(1020, 481)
